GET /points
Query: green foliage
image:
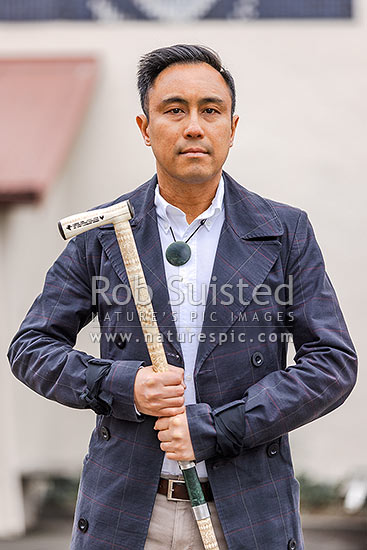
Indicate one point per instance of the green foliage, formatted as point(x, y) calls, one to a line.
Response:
point(61, 496)
point(315, 495)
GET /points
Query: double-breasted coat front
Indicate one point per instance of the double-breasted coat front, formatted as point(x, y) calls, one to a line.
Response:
point(248, 399)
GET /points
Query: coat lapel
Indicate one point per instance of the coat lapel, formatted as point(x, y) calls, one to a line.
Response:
point(146, 234)
point(247, 249)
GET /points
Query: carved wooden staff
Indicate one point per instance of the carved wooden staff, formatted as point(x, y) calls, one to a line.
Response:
point(119, 215)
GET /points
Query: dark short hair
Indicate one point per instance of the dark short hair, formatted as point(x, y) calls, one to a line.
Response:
point(153, 63)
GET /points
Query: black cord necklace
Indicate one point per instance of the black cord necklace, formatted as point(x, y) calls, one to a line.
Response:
point(179, 252)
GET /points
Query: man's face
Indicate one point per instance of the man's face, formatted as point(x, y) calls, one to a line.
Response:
point(190, 127)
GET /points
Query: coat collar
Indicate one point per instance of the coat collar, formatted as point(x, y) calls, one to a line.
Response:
point(248, 248)
point(250, 215)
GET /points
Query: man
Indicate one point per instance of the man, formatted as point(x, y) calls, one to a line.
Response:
point(232, 276)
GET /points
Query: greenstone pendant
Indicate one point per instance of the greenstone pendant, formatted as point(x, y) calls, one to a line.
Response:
point(178, 253)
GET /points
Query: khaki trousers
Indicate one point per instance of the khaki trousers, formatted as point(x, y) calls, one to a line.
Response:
point(173, 526)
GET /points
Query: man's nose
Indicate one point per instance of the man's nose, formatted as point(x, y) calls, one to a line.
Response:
point(193, 128)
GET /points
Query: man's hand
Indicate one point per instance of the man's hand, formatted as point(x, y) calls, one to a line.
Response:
point(160, 393)
point(175, 437)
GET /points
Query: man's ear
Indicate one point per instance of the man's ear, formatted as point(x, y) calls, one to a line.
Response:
point(235, 120)
point(142, 122)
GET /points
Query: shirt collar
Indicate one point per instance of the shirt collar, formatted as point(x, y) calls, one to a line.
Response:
point(167, 213)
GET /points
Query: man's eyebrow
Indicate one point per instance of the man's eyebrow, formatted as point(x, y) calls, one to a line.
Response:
point(181, 100)
point(174, 99)
point(213, 99)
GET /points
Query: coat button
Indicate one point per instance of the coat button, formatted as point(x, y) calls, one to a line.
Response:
point(272, 450)
point(83, 525)
point(120, 342)
point(292, 544)
point(105, 433)
point(218, 464)
point(257, 359)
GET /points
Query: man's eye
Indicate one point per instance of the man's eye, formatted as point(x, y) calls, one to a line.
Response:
point(210, 110)
point(175, 110)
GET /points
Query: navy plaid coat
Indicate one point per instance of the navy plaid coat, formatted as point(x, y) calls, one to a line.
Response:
point(247, 398)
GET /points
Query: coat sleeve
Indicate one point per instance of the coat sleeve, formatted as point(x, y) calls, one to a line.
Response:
point(321, 378)
point(42, 353)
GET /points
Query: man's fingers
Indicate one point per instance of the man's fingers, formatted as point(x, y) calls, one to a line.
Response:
point(166, 447)
point(171, 456)
point(163, 435)
point(170, 411)
point(161, 424)
point(174, 391)
point(172, 402)
point(173, 376)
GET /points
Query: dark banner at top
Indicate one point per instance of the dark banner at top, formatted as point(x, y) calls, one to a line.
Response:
point(171, 10)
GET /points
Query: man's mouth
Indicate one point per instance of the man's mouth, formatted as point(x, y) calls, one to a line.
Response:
point(194, 152)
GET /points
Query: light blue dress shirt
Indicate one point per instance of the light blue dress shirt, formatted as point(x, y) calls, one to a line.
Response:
point(188, 284)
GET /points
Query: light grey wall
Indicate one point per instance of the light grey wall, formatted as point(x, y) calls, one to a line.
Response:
point(301, 140)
